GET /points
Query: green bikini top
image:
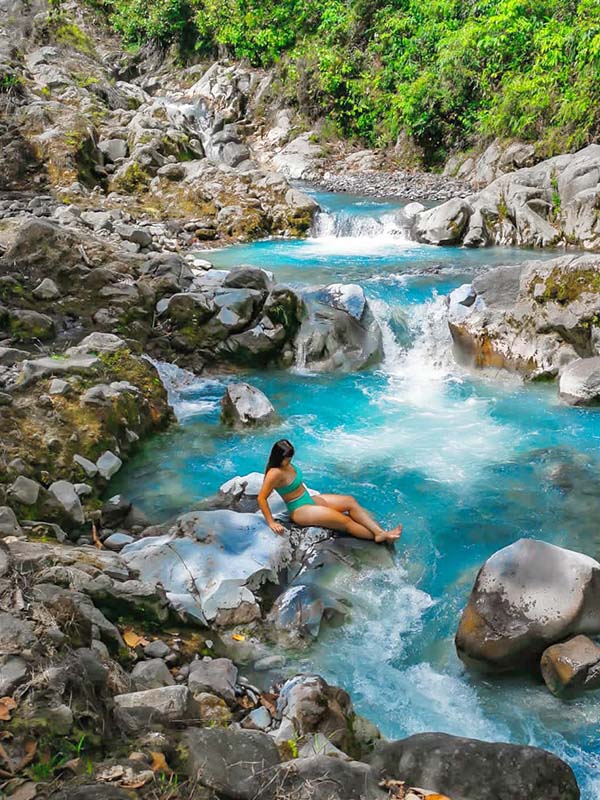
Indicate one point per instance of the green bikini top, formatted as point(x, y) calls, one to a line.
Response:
point(293, 485)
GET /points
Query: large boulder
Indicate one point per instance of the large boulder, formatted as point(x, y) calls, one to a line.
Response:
point(467, 769)
point(235, 763)
point(572, 666)
point(579, 383)
point(526, 597)
point(339, 332)
point(243, 405)
point(323, 777)
point(136, 711)
point(216, 676)
point(444, 224)
point(533, 318)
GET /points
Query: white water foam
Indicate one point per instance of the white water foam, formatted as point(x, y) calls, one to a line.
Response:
point(181, 385)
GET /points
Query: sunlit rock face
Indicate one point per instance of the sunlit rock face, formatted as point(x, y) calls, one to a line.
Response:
point(526, 597)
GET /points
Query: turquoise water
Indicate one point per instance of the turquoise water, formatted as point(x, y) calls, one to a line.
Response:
point(468, 461)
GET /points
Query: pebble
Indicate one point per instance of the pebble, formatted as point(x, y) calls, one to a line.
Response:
point(404, 185)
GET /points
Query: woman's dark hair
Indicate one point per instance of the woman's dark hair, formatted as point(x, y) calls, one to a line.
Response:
point(280, 450)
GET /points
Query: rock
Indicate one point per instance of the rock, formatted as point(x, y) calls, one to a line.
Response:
point(526, 597)
point(212, 710)
point(257, 720)
point(95, 791)
point(113, 149)
point(98, 343)
point(115, 511)
point(16, 635)
point(234, 763)
point(108, 465)
point(42, 367)
point(11, 355)
point(300, 610)
point(24, 491)
point(134, 234)
point(6, 399)
point(137, 711)
point(59, 387)
point(443, 224)
point(13, 672)
point(248, 278)
point(98, 220)
point(533, 318)
point(117, 541)
point(46, 290)
point(332, 336)
point(269, 662)
point(151, 674)
point(311, 705)
point(29, 326)
point(244, 405)
point(9, 525)
point(322, 777)
point(65, 495)
point(572, 666)
point(157, 649)
point(90, 469)
point(579, 383)
point(217, 676)
point(83, 489)
point(467, 769)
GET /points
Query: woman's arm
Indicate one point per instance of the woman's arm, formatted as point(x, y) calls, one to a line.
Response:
point(266, 489)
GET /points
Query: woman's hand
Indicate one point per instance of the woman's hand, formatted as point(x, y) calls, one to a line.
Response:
point(277, 528)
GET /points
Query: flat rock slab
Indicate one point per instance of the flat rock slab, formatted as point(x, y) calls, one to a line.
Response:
point(42, 367)
point(210, 560)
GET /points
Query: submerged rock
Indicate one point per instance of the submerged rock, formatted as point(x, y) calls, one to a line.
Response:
point(572, 666)
point(526, 597)
point(468, 769)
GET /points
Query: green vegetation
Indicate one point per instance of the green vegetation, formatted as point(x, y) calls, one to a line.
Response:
point(445, 72)
point(564, 286)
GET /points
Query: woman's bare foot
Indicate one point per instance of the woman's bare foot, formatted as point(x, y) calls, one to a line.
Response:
point(389, 536)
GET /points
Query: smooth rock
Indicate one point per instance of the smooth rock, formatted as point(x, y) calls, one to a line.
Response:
point(243, 405)
point(46, 290)
point(572, 666)
point(108, 465)
point(579, 383)
point(117, 541)
point(9, 525)
point(25, 491)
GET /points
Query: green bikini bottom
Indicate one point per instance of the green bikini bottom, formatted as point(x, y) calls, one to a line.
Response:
point(304, 500)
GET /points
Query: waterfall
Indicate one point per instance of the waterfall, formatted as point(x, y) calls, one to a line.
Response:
point(188, 394)
point(344, 225)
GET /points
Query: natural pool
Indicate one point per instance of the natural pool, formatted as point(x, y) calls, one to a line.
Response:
point(468, 461)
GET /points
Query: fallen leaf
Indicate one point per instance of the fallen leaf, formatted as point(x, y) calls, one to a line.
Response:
point(268, 701)
point(6, 758)
point(133, 639)
point(7, 704)
point(95, 537)
point(73, 765)
point(140, 780)
point(159, 763)
point(238, 637)
point(30, 751)
point(27, 791)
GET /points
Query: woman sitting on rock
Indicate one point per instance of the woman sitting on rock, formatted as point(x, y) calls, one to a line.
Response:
point(339, 512)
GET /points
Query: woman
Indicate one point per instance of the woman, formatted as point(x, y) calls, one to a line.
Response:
point(339, 512)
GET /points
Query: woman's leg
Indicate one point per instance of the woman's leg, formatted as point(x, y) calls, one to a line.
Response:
point(329, 518)
point(345, 503)
point(321, 514)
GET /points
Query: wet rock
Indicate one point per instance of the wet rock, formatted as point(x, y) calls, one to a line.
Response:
point(151, 675)
point(65, 495)
point(300, 611)
point(579, 383)
point(244, 405)
point(526, 597)
point(572, 666)
point(108, 465)
point(235, 763)
point(217, 676)
point(467, 769)
point(137, 711)
point(9, 525)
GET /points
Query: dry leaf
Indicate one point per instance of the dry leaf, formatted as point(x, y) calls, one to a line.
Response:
point(27, 791)
point(7, 704)
point(6, 758)
point(73, 765)
point(268, 701)
point(133, 639)
point(138, 781)
point(159, 763)
point(436, 797)
point(238, 637)
point(95, 537)
point(30, 751)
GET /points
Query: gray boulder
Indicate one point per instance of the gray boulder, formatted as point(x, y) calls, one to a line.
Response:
point(217, 676)
point(234, 763)
point(65, 495)
point(29, 326)
point(526, 597)
point(151, 674)
point(444, 224)
point(25, 491)
point(46, 290)
point(467, 769)
point(13, 672)
point(9, 525)
point(243, 405)
point(579, 383)
point(16, 635)
point(571, 667)
point(136, 711)
point(42, 367)
point(108, 465)
point(323, 777)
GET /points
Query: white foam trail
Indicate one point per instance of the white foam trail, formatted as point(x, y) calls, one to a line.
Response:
point(180, 384)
